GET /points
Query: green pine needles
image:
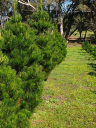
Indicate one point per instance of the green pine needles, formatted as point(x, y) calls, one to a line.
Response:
point(89, 48)
point(28, 53)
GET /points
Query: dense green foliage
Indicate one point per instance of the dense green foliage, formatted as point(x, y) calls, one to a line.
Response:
point(40, 21)
point(28, 53)
point(51, 44)
point(11, 92)
point(89, 48)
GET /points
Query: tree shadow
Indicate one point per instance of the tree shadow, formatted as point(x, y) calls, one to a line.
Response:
point(93, 73)
point(94, 92)
point(93, 65)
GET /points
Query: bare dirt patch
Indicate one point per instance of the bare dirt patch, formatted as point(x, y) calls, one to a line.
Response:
point(73, 42)
point(73, 45)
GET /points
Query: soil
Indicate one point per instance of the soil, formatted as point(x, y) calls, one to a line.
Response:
point(73, 45)
point(73, 41)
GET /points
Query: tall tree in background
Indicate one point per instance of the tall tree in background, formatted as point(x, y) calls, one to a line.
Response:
point(54, 9)
point(26, 8)
point(4, 10)
point(68, 19)
point(81, 18)
point(79, 13)
point(93, 16)
point(61, 18)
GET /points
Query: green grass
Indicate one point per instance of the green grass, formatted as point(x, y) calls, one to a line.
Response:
point(69, 96)
point(89, 33)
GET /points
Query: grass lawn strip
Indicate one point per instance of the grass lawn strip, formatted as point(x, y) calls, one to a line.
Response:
point(69, 96)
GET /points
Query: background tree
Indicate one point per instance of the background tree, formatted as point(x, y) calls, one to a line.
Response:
point(80, 13)
point(4, 10)
point(93, 16)
point(69, 17)
point(54, 9)
point(81, 18)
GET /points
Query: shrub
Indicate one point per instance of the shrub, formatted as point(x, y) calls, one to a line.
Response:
point(94, 52)
point(29, 56)
point(10, 95)
point(87, 47)
point(51, 45)
point(40, 20)
point(84, 44)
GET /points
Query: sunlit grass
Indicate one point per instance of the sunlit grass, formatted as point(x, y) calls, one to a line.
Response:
point(88, 34)
point(69, 96)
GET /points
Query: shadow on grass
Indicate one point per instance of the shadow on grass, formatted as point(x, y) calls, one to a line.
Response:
point(82, 52)
point(93, 66)
point(94, 91)
point(93, 73)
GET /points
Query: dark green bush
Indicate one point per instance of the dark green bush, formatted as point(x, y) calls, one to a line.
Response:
point(84, 44)
point(28, 55)
point(53, 50)
point(94, 52)
point(11, 93)
point(51, 44)
point(40, 21)
point(87, 47)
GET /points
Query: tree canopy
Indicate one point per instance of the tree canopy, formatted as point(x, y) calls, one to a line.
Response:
point(77, 13)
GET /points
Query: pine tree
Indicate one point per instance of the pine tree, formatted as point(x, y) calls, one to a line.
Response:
point(52, 45)
point(30, 52)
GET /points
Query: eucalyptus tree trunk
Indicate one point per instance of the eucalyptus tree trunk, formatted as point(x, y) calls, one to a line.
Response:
point(61, 19)
point(80, 31)
point(61, 25)
point(85, 35)
point(28, 2)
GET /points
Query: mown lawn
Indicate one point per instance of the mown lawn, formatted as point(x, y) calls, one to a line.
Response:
point(69, 96)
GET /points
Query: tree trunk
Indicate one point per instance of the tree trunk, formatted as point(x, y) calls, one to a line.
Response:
point(85, 35)
point(80, 31)
point(61, 19)
point(61, 25)
point(28, 2)
point(80, 36)
point(67, 33)
point(49, 10)
point(73, 31)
